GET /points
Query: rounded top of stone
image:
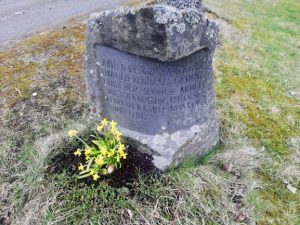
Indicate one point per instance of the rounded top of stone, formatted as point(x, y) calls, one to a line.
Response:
point(162, 32)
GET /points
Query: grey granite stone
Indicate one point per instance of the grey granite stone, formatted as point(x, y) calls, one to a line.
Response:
point(161, 32)
point(150, 69)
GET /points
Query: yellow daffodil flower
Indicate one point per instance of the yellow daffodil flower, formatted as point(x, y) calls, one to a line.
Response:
point(99, 160)
point(111, 153)
point(72, 133)
point(81, 167)
point(96, 176)
point(113, 124)
point(100, 128)
point(118, 135)
point(102, 124)
point(121, 147)
point(103, 151)
point(104, 121)
point(87, 158)
point(113, 130)
point(88, 151)
point(77, 152)
point(122, 154)
point(92, 172)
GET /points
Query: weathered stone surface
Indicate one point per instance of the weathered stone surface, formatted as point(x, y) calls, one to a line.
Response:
point(147, 95)
point(183, 4)
point(159, 87)
point(163, 108)
point(161, 31)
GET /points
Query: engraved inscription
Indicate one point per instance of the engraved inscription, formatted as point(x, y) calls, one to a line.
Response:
point(146, 94)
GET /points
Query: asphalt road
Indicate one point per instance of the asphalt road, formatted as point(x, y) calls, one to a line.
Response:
point(20, 18)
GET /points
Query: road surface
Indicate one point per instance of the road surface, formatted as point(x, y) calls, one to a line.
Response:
point(20, 18)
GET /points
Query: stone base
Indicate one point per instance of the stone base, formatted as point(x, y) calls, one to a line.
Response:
point(169, 149)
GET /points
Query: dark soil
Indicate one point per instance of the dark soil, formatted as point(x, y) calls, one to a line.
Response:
point(137, 164)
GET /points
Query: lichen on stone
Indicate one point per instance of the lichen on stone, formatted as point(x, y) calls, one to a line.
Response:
point(183, 4)
point(193, 17)
point(167, 16)
point(131, 10)
point(180, 28)
point(167, 26)
point(104, 13)
point(91, 24)
point(121, 10)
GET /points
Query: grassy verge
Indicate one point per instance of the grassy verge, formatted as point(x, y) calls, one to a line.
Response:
point(256, 79)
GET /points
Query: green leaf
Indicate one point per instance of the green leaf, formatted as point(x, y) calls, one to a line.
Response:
point(89, 164)
point(83, 176)
point(99, 143)
point(83, 172)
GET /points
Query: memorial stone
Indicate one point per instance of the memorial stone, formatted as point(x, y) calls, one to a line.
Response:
point(150, 69)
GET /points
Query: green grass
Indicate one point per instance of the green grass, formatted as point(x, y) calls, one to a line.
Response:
point(255, 77)
point(171, 198)
point(256, 68)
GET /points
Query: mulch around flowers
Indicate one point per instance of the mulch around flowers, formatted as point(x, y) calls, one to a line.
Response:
point(135, 165)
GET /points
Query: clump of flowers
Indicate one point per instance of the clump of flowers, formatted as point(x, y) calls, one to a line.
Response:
point(104, 155)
